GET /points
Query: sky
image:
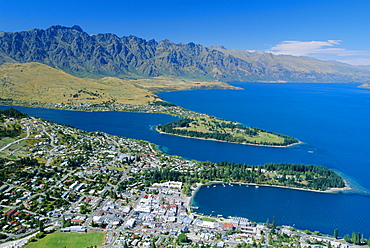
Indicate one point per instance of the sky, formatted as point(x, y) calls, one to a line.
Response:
point(323, 29)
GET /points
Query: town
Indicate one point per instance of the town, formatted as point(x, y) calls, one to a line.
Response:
point(159, 106)
point(59, 179)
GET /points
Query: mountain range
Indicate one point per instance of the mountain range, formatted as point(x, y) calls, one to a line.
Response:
point(97, 55)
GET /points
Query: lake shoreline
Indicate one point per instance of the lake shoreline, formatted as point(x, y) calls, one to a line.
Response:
point(189, 199)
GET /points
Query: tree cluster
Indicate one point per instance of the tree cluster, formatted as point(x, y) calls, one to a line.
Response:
point(12, 167)
point(12, 113)
point(357, 239)
point(10, 129)
point(165, 104)
point(178, 127)
point(320, 178)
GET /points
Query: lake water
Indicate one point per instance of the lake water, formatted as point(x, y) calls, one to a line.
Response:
point(333, 122)
point(331, 119)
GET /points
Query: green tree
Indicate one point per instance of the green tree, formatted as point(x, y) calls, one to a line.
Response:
point(41, 226)
point(347, 238)
point(152, 244)
point(273, 225)
point(336, 233)
point(40, 235)
point(358, 239)
point(270, 240)
point(182, 238)
point(263, 237)
point(267, 224)
point(354, 238)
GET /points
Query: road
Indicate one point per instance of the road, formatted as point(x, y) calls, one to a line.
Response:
point(16, 141)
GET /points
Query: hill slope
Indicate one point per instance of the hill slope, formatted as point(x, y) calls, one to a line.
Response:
point(38, 83)
point(35, 82)
point(78, 53)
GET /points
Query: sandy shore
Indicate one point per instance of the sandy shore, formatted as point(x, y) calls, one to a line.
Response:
point(188, 199)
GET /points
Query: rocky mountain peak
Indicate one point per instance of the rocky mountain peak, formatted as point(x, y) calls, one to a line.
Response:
point(77, 52)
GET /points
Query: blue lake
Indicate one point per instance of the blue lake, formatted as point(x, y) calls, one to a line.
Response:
point(331, 119)
point(304, 210)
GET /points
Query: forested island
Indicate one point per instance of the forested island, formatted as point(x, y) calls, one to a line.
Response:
point(310, 177)
point(228, 131)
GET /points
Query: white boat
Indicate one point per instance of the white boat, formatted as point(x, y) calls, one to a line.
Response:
point(257, 186)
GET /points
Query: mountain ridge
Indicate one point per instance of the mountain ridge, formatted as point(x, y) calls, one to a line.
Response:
point(96, 55)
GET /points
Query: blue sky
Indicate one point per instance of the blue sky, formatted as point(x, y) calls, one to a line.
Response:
point(324, 29)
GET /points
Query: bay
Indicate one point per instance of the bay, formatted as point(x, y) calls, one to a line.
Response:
point(312, 211)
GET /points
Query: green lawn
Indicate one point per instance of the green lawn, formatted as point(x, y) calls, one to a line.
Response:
point(69, 240)
point(208, 219)
point(116, 168)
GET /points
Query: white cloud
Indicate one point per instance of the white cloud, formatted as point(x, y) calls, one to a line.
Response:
point(356, 61)
point(304, 48)
point(327, 50)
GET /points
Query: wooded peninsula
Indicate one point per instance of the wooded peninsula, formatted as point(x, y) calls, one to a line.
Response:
point(302, 176)
point(223, 130)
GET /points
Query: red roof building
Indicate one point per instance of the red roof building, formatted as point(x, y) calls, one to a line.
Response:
point(228, 227)
point(11, 212)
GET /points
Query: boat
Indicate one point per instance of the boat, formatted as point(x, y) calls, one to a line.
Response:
point(214, 186)
point(257, 186)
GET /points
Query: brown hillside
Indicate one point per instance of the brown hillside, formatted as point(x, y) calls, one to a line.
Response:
point(35, 82)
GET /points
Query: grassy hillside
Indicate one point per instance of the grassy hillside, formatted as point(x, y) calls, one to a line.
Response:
point(35, 82)
point(162, 83)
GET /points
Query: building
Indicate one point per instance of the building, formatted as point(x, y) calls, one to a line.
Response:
point(228, 227)
point(74, 229)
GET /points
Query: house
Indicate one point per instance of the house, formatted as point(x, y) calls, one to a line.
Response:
point(228, 227)
point(130, 223)
point(11, 212)
point(74, 229)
